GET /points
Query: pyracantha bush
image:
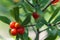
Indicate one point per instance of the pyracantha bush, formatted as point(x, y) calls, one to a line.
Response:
point(33, 13)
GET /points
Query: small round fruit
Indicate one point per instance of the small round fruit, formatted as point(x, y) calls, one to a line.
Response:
point(21, 30)
point(13, 32)
point(35, 15)
point(12, 25)
point(55, 1)
point(17, 25)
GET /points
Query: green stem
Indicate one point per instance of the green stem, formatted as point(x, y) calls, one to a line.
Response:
point(17, 37)
point(30, 3)
point(37, 35)
point(43, 30)
point(47, 6)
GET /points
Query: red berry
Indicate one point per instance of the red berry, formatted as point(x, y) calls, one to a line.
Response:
point(13, 32)
point(21, 30)
point(12, 25)
point(17, 25)
point(35, 15)
point(55, 1)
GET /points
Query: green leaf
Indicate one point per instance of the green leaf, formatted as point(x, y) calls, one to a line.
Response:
point(28, 7)
point(51, 37)
point(29, 38)
point(57, 19)
point(40, 22)
point(54, 14)
point(25, 35)
point(5, 19)
point(59, 32)
point(27, 19)
point(39, 25)
point(51, 34)
point(15, 14)
point(34, 2)
point(25, 10)
point(12, 13)
point(43, 3)
point(21, 37)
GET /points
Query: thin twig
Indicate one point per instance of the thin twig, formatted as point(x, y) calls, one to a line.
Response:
point(32, 25)
point(43, 30)
point(37, 34)
point(30, 3)
point(47, 6)
point(56, 24)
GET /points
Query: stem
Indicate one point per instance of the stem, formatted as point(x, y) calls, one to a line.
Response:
point(17, 37)
point(37, 1)
point(30, 3)
point(43, 30)
point(37, 35)
point(57, 24)
point(47, 6)
point(54, 24)
point(32, 25)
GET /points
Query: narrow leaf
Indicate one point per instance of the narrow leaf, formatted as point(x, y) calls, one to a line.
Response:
point(5, 19)
point(40, 22)
point(51, 34)
point(54, 14)
point(25, 35)
point(16, 13)
point(27, 20)
point(29, 7)
point(57, 19)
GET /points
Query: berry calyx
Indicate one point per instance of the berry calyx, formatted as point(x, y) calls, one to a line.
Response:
point(35, 15)
point(55, 1)
point(17, 25)
point(12, 25)
point(13, 32)
point(21, 30)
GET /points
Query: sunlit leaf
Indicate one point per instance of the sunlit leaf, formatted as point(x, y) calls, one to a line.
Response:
point(57, 19)
point(54, 14)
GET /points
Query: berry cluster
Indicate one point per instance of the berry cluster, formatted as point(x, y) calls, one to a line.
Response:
point(16, 28)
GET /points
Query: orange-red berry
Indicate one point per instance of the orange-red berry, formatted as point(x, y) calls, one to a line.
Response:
point(12, 25)
point(17, 25)
point(13, 32)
